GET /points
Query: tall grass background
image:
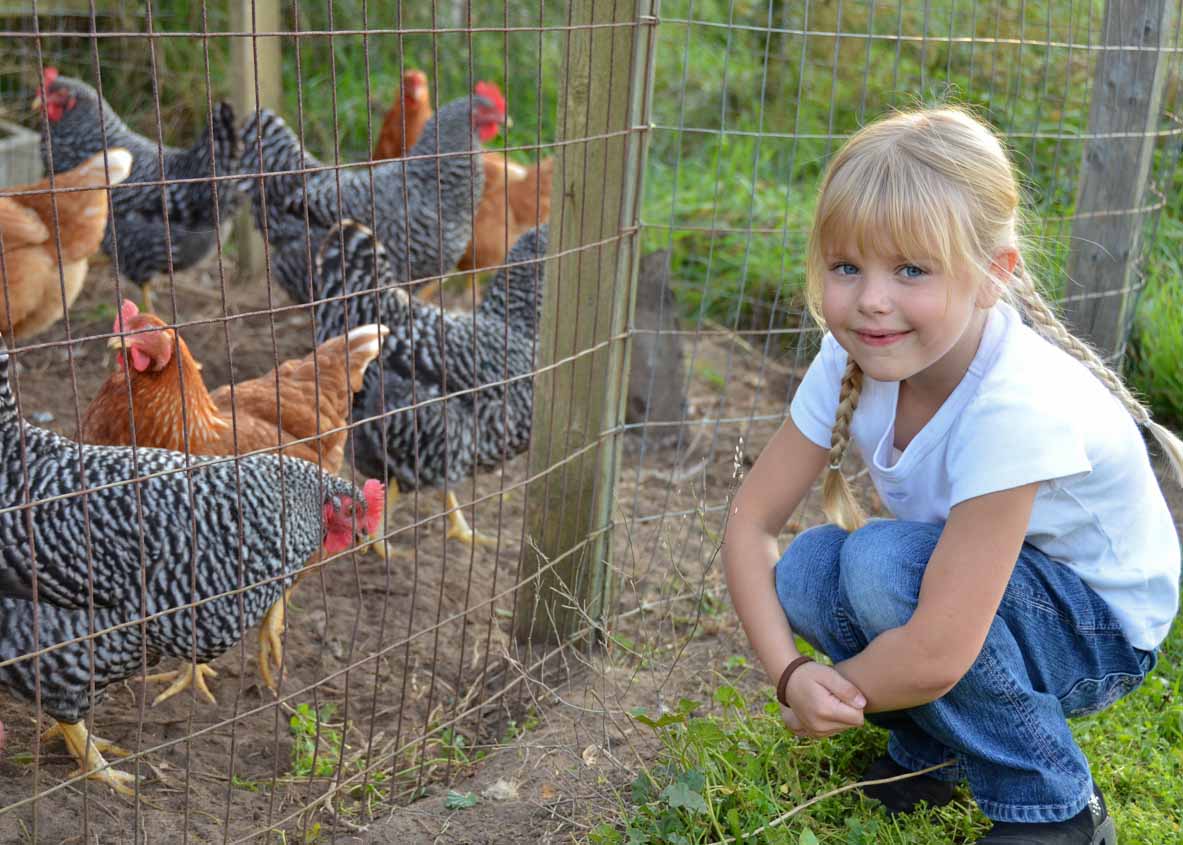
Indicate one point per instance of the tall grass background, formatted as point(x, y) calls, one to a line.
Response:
point(746, 111)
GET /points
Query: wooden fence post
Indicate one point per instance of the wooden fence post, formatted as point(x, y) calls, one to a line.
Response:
point(254, 16)
point(1124, 113)
point(606, 73)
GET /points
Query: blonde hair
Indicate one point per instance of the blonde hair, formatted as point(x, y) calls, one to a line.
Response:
point(937, 185)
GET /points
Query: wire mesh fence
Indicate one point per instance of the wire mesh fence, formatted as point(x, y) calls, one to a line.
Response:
point(588, 399)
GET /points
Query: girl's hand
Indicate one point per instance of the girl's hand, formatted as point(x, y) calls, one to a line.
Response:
point(823, 702)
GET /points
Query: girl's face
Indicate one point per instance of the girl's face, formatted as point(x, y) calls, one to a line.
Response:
point(903, 319)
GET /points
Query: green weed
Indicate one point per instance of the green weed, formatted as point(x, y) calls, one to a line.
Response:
point(732, 770)
point(316, 749)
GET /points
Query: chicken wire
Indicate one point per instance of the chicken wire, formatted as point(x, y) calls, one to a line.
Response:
point(387, 696)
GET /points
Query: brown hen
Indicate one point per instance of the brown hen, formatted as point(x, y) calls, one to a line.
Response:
point(32, 254)
point(165, 391)
point(413, 105)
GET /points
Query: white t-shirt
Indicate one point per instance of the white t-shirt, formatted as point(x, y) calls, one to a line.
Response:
point(1025, 411)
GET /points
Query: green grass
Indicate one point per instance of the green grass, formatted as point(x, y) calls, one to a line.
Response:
point(729, 767)
point(1155, 367)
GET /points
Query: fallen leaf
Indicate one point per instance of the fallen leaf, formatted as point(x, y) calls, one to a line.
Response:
point(547, 792)
point(591, 755)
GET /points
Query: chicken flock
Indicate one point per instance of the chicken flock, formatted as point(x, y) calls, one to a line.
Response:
point(187, 513)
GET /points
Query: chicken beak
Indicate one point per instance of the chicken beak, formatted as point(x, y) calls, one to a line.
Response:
point(115, 343)
point(508, 122)
point(37, 102)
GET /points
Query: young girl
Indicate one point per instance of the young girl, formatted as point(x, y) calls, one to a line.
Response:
point(1032, 567)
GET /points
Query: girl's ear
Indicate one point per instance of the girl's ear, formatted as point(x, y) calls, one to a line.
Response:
point(998, 276)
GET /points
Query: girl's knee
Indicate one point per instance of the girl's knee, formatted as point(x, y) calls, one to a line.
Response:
point(881, 567)
point(807, 573)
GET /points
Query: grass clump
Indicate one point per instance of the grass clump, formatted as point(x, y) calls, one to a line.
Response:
point(731, 772)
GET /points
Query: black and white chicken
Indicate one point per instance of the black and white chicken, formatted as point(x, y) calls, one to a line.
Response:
point(468, 375)
point(421, 207)
point(198, 548)
point(151, 228)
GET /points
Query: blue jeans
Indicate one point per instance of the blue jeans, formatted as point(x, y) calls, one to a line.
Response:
point(1054, 650)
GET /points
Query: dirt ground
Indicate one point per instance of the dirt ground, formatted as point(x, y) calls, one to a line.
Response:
point(415, 654)
point(400, 649)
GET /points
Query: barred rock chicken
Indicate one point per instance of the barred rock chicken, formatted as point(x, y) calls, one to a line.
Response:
point(194, 531)
point(422, 219)
point(433, 355)
point(164, 391)
point(138, 220)
point(406, 118)
point(516, 197)
point(45, 255)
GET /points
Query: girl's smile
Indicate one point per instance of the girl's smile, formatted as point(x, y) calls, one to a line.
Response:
point(879, 337)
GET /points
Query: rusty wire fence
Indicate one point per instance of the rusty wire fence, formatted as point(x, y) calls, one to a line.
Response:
point(592, 435)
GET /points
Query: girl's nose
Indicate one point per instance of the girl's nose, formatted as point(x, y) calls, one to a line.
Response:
point(874, 296)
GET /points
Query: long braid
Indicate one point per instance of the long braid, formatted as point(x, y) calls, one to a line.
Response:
point(1045, 321)
point(837, 499)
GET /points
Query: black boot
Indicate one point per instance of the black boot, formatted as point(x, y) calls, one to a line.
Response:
point(903, 796)
point(1091, 826)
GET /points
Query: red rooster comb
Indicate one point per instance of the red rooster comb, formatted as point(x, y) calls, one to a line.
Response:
point(492, 93)
point(49, 76)
point(375, 494)
point(127, 312)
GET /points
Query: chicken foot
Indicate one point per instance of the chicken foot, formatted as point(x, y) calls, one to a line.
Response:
point(458, 527)
point(193, 675)
point(88, 750)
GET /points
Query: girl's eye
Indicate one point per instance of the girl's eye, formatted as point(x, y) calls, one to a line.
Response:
point(845, 269)
point(911, 271)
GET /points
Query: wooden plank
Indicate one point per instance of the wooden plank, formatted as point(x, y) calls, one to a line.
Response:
point(1127, 94)
point(254, 16)
point(588, 305)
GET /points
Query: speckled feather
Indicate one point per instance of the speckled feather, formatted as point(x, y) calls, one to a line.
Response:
point(451, 352)
point(425, 229)
point(191, 545)
point(137, 216)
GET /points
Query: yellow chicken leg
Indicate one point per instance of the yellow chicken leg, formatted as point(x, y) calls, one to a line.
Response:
point(473, 287)
point(430, 291)
point(88, 750)
point(271, 640)
point(193, 675)
point(146, 298)
point(458, 527)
